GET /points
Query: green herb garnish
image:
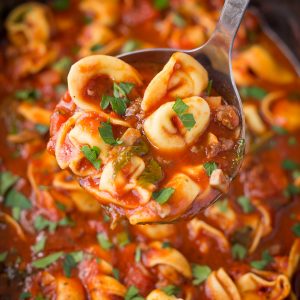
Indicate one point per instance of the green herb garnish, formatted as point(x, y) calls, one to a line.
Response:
point(29, 95)
point(96, 47)
point(289, 164)
point(178, 20)
point(253, 92)
point(209, 87)
point(296, 229)
point(266, 258)
point(92, 154)
point(291, 190)
point(292, 141)
point(130, 45)
point(40, 223)
point(133, 294)
point(163, 195)
point(152, 173)
point(210, 167)
point(238, 251)
point(123, 239)
point(222, 205)
point(7, 180)
point(116, 273)
point(41, 129)
point(3, 256)
point(40, 245)
point(107, 135)
point(187, 119)
point(25, 295)
point(46, 261)
point(104, 241)
point(61, 5)
point(171, 290)
point(63, 64)
point(70, 262)
point(279, 130)
point(245, 204)
point(200, 273)
point(138, 254)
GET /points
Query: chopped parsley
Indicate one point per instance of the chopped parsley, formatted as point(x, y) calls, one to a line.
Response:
point(178, 20)
point(116, 273)
point(29, 95)
point(46, 261)
point(266, 258)
point(279, 130)
point(210, 167)
point(130, 45)
point(289, 165)
point(25, 295)
point(92, 154)
point(253, 92)
point(222, 205)
point(106, 133)
point(61, 5)
point(40, 245)
point(40, 223)
point(96, 47)
point(71, 260)
point(7, 180)
point(151, 174)
point(166, 244)
point(171, 290)
point(296, 229)
point(238, 251)
point(245, 204)
point(209, 87)
point(3, 256)
point(62, 64)
point(17, 202)
point(133, 294)
point(163, 195)
point(187, 119)
point(104, 242)
point(138, 254)
point(41, 129)
point(291, 190)
point(200, 273)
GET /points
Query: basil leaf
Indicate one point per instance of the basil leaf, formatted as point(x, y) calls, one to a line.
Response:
point(133, 294)
point(210, 167)
point(200, 273)
point(68, 264)
point(40, 245)
point(163, 195)
point(179, 106)
point(103, 241)
point(238, 251)
point(187, 120)
point(245, 204)
point(46, 261)
point(105, 101)
point(161, 4)
point(209, 87)
point(296, 229)
point(106, 134)
point(118, 105)
point(130, 45)
point(253, 92)
point(266, 258)
point(40, 223)
point(151, 174)
point(16, 199)
point(7, 180)
point(171, 290)
point(91, 154)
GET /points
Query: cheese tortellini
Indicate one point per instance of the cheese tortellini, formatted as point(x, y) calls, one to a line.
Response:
point(146, 126)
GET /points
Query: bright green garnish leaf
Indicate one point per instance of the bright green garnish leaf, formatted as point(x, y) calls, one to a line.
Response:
point(16, 213)
point(166, 244)
point(105, 101)
point(138, 254)
point(291, 190)
point(63, 64)
point(200, 273)
point(60, 206)
point(163, 195)
point(16, 199)
point(118, 105)
point(123, 239)
point(40, 245)
point(180, 108)
point(107, 135)
point(133, 294)
point(279, 130)
point(40, 223)
point(210, 167)
point(253, 92)
point(66, 221)
point(40, 297)
point(238, 251)
point(70, 262)
point(161, 4)
point(171, 290)
point(96, 47)
point(266, 258)
point(245, 204)
point(289, 164)
point(116, 273)
point(29, 95)
point(42, 129)
point(296, 229)
point(46, 261)
point(61, 4)
point(222, 205)
point(7, 180)
point(130, 45)
point(140, 147)
point(152, 174)
point(104, 241)
point(3, 256)
point(178, 20)
point(92, 154)
point(25, 295)
point(209, 87)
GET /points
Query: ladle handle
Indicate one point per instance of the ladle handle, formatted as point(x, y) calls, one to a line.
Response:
point(230, 20)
